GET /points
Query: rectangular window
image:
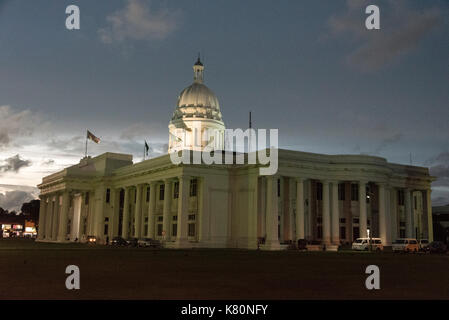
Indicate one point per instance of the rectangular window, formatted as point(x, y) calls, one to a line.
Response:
point(342, 220)
point(145, 230)
point(354, 192)
point(174, 229)
point(402, 233)
point(191, 217)
point(193, 187)
point(159, 229)
point(160, 218)
point(279, 187)
point(175, 218)
point(108, 195)
point(146, 219)
point(355, 220)
point(86, 198)
point(415, 199)
point(319, 191)
point(148, 194)
point(161, 192)
point(319, 220)
point(106, 228)
point(176, 190)
point(106, 219)
point(191, 229)
point(341, 191)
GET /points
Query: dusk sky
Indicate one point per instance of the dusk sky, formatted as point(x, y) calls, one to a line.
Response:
point(309, 68)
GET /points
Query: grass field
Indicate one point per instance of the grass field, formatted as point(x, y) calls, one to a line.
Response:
point(30, 270)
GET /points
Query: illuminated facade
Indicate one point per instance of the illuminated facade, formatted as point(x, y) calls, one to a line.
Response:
point(326, 199)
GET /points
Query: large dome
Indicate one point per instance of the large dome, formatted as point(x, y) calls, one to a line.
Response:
point(197, 100)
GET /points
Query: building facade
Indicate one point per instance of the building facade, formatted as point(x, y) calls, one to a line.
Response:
point(327, 199)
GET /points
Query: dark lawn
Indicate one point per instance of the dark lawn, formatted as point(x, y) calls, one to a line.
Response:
point(31, 270)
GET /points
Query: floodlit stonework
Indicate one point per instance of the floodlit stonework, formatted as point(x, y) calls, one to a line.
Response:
point(326, 199)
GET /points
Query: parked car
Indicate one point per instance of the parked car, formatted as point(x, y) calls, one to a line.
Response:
point(436, 247)
point(91, 240)
point(132, 242)
point(406, 245)
point(423, 243)
point(148, 242)
point(364, 244)
point(119, 241)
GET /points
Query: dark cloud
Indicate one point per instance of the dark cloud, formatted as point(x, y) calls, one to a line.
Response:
point(13, 200)
point(401, 31)
point(15, 124)
point(14, 164)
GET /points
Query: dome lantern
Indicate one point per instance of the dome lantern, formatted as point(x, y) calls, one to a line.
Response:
point(198, 70)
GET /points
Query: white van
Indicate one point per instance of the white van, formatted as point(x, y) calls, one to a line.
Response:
point(362, 244)
point(406, 245)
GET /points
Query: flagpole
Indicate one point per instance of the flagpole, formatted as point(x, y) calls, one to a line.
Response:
point(144, 150)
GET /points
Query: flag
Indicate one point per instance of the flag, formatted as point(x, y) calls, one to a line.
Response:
point(92, 137)
point(147, 148)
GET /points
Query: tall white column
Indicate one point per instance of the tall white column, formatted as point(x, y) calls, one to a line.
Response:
point(138, 212)
point(252, 212)
point(384, 225)
point(300, 220)
point(429, 214)
point(272, 240)
point(408, 214)
point(183, 204)
point(62, 232)
point(54, 217)
point(394, 213)
point(363, 219)
point(326, 214)
point(48, 215)
point(168, 194)
point(42, 216)
point(335, 215)
point(125, 219)
point(151, 210)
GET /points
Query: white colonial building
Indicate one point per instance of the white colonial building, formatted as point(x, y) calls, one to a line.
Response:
point(326, 199)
